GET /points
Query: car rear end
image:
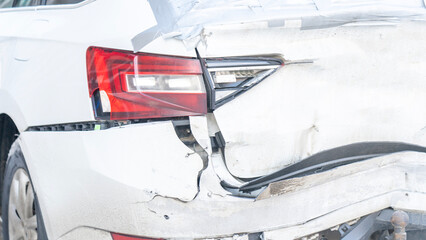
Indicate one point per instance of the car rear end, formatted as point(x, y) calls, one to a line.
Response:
point(222, 120)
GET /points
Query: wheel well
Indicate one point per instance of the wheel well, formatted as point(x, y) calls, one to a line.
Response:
point(8, 134)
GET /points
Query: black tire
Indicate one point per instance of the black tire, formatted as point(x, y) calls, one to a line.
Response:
point(15, 162)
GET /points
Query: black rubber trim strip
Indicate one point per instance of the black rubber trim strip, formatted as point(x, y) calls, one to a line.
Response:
point(330, 159)
point(97, 125)
point(210, 91)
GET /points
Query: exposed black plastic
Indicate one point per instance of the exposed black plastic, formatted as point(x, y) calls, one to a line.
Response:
point(96, 125)
point(330, 159)
point(183, 131)
point(208, 83)
point(97, 106)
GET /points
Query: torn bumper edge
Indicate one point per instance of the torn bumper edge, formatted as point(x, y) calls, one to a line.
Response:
point(297, 207)
point(305, 205)
point(93, 178)
point(346, 193)
point(301, 206)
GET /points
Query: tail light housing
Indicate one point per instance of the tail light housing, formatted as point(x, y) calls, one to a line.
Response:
point(125, 85)
point(230, 77)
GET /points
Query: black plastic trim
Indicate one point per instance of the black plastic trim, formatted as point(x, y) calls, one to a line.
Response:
point(209, 84)
point(330, 159)
point(230, 62)
point(97, 125)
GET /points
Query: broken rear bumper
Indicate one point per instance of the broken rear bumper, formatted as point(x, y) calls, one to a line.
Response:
point(89, 192)
point(394, 181)
point(302, 206)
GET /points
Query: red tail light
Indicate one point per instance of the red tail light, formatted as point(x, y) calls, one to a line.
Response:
point(127, 85)
point(116, 236)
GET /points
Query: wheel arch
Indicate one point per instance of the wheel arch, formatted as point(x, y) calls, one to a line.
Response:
point(8, 134)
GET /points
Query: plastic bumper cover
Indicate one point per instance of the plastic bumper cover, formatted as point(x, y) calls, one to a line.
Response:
point(140, 180)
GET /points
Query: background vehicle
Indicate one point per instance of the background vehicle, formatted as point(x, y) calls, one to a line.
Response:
point(211, 119)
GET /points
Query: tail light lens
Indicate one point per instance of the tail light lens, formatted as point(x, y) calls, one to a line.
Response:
point(116, 236)
point(126, 85)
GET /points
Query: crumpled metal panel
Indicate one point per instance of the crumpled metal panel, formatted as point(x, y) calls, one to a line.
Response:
point(186, 19)
point(366, 83)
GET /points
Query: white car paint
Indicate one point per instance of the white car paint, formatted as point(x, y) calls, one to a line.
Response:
point(395, 181)
point(366, 83)
point(101, 176)
point(50, 43)
point(142, 180)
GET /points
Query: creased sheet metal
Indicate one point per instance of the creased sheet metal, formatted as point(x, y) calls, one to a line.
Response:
point(186, 19)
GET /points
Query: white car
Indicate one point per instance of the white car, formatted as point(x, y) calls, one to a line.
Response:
point(213, 119)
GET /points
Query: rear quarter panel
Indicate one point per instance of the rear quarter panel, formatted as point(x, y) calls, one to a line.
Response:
point(43, 55)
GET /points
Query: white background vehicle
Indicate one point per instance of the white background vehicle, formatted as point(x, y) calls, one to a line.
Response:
point(187, 119)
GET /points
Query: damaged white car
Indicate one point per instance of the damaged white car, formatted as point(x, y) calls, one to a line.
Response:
point(213, 119)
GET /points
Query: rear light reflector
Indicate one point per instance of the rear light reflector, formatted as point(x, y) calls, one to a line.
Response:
point(116, 236)
point(126, 85)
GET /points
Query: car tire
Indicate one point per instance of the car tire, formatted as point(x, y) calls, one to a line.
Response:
point(21, 212)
